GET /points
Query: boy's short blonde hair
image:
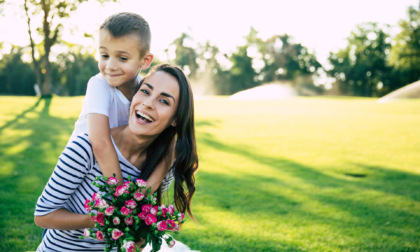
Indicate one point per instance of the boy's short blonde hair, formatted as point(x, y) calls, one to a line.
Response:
point(125, 23)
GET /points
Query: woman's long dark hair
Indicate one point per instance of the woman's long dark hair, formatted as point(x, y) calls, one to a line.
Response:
point(186, 159)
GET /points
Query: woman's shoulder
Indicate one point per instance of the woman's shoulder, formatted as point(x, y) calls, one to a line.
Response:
point(81, 146)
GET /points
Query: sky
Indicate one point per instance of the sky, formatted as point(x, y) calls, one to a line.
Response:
point(320, 25)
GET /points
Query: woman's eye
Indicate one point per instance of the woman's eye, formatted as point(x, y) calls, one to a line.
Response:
point(104, 56)
point(164, 102)
point(144, 91)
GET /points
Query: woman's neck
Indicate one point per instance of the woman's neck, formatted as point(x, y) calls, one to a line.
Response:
point(132, 147)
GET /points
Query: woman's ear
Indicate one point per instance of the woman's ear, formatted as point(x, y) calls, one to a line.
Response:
point(173, 124)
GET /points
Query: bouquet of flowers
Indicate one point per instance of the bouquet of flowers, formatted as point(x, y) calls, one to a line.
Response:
point(123, 215)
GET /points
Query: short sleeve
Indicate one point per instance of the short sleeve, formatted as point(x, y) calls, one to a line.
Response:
point(166, 182)
point(98, 96)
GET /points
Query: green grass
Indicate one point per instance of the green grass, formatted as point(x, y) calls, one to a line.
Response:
point(304, 174)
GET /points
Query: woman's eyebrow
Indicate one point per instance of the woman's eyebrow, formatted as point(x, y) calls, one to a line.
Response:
point(163, 93)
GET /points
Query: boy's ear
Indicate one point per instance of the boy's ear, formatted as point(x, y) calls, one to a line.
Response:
point(147, 60)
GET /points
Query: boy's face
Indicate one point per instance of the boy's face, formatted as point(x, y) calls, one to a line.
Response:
point(119, 58)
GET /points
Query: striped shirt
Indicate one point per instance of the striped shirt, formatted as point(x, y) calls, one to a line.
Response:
point(69, 186)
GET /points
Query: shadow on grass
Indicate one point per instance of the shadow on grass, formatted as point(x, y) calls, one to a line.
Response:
point(370, 204)
point(21, 115)
point(28, 171)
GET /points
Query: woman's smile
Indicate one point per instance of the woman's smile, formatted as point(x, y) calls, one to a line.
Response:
point(143, 117)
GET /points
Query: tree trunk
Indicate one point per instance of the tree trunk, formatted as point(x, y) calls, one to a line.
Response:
point(35, 64)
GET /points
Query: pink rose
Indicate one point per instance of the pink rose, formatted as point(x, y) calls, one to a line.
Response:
point(116, 220)
point(130, 204)
point(100, 218)
point(86, 232)
point(171, 224)
point(112, 181)
point(146, 208)
point(100, 203)
point(138, 196)
point(125, 211)
point(116, 234)
point(87, 206)
point(141, 183)
point(164, 210)
point(120, 190)
point(154, 210)
point(100, 236)
point(96, 196)
point(176, 228)
point(162, 226)
point(171, 209)
point(109, 210)
point(171, 243)
point(142, 215)
point(126, 184)
point(129, 246)
point(150, 219)
point(129, 221)
point(180, 217)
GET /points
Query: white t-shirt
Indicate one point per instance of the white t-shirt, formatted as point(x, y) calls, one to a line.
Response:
point(101, 98)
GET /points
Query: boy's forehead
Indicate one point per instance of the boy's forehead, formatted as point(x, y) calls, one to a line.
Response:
point(132, 39)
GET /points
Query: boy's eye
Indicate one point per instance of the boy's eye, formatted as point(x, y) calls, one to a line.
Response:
point(123, 58)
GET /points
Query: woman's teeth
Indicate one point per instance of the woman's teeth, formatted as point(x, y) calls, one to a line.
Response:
point(140, 115)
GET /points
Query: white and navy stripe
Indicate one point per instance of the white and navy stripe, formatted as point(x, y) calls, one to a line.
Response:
point(69, 186)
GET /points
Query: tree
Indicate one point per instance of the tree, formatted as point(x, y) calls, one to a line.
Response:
point(242, 75)
point(73, 70)
point(185, 56)
point(16, 76)
point(285, 60)
point(405, 52)
point(361, 68)
point(213, 77)
point(52, 13)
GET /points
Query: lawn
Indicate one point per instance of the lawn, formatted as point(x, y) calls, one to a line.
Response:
point(301, 174)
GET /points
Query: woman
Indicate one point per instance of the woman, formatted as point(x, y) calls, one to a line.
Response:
point(161, 114)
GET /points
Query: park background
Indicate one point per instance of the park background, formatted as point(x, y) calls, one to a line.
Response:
point(322, 166)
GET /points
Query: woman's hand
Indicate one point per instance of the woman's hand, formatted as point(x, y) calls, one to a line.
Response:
point(140, 243)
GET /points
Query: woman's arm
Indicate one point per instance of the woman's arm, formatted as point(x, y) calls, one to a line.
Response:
point(65, 220)
point(62, 190)
point(105, 153)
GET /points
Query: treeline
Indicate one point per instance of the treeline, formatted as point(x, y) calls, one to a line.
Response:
point(373, 63)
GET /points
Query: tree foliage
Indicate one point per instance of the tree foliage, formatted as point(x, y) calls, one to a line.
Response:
point(52, 13)
point(361, 68)
point(405, 53)
point(285, 60)
point(16, 76)
point(185, 55)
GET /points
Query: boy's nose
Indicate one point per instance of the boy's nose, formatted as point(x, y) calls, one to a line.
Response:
point(111, 64)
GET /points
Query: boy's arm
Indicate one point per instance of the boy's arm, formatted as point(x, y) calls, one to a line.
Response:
point(103, 149)
point(161, 169)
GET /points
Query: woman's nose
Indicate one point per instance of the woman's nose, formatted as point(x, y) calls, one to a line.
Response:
point(148, 103)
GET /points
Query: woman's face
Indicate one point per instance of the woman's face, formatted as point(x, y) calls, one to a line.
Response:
point(153, 107)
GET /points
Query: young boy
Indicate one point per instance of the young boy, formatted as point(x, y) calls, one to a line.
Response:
point(124, 44)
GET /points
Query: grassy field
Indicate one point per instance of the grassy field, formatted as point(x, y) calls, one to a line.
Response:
point(302, 174)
